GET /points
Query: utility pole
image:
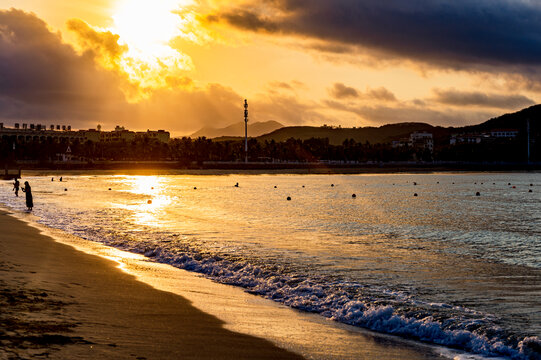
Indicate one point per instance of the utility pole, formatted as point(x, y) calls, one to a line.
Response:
point(245, 131)
point(528, 137)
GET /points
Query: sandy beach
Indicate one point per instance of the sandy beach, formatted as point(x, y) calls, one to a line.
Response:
point(60, 303)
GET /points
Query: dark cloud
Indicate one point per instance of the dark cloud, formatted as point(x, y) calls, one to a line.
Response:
point(464, 98)
point(457, 33)
point(42, 78)
point(380, 115)
point(341, 91)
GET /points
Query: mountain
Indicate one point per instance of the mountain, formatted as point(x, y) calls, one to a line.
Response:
point(336, 136)
point(388, 133)
point(237, 129)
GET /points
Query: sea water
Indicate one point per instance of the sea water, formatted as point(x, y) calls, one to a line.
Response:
point(445, 267)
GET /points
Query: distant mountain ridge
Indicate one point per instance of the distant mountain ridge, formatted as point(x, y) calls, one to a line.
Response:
point(272, 130)
point(254, 130)
point(390, 132)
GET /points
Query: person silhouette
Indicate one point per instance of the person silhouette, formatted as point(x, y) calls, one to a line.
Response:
point(16, 187)
point(28, 191)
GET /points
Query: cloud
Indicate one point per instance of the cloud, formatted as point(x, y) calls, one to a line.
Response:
point(341, 91)
point(479, 99)
point(381, 114)
point(40, 77)
point(457, 34)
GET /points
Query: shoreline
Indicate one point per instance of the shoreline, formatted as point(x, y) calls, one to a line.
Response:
point(245, 313)
point(58, 302)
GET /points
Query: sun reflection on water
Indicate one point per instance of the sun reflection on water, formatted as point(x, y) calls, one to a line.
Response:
point(150, 203)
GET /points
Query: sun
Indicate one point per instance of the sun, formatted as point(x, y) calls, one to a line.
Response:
point(147, 27)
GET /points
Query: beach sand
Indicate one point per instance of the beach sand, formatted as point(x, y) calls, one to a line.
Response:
point(57, 302)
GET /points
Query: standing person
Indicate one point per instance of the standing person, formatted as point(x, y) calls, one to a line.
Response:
point(16, 187)
point(28, 190)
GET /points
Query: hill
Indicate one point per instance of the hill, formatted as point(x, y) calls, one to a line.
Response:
point(336, 136)
point(237, 129)
point(388, 133)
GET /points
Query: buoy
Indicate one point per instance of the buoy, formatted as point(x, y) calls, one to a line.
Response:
point(508, 183)
point(275, 186)
point(478, 194)
point(437, 182)
point(65, 189)
point(353, 196)
point(332, 185)
point(531, 184)
point(149, 202)
point(152, 188)
point(109, 189)
point(303, 186)
point(288, 198)
point(415, 194)
point(481, 183)
point(237, 185)
point(493, 183)
point(414, 183)
point(514, 187)
point(195, 188)
point(453, 183)
point(530, 190)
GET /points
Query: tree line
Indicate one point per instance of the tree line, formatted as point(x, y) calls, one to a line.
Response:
point(187, 151)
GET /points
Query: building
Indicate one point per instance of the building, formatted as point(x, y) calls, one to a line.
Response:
point(28, 133)
point(422, 139)
point(504, 133)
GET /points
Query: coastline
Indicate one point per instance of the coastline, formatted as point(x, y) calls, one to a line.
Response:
point(61, 303)
point(68, 297)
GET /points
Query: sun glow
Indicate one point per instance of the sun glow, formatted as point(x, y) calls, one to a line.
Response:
point(147, 27)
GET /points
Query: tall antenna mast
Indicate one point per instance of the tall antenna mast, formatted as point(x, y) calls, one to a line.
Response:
point(528, 138)
point(245, 131)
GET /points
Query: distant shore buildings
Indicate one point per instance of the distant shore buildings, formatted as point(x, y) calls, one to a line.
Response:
point(64, 134)
point(478, 138)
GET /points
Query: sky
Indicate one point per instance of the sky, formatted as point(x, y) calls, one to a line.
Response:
point(181, 65)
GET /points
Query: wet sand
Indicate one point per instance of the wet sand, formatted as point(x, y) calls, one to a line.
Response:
point(61, 303)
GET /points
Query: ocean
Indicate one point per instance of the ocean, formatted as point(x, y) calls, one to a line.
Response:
point(445, 267)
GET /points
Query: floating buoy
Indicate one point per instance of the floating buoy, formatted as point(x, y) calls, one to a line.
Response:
point(493, 183)
point(303, 186)
point(415, 194)
point(65, 189)
point(109, 189)
point(531, 184)
point(481, 183)
point(508, 183)
point(475, 183)
point(514, 187)
point(288, 198)
point(275, 186)
point(237, 185)
point(152, 188)
point(414, 183)
point(195, 188)
point(478, 194)
point(453, 183)
point(530, 190)
point(149, 202)
point(437, 182)
point(332, 185)
point(353, 196)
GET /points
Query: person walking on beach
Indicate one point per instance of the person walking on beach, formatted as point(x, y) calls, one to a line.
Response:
point(28, 191)
point(16, 187)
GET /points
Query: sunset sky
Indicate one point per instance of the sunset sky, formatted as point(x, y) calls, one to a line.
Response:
point(184, 64)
